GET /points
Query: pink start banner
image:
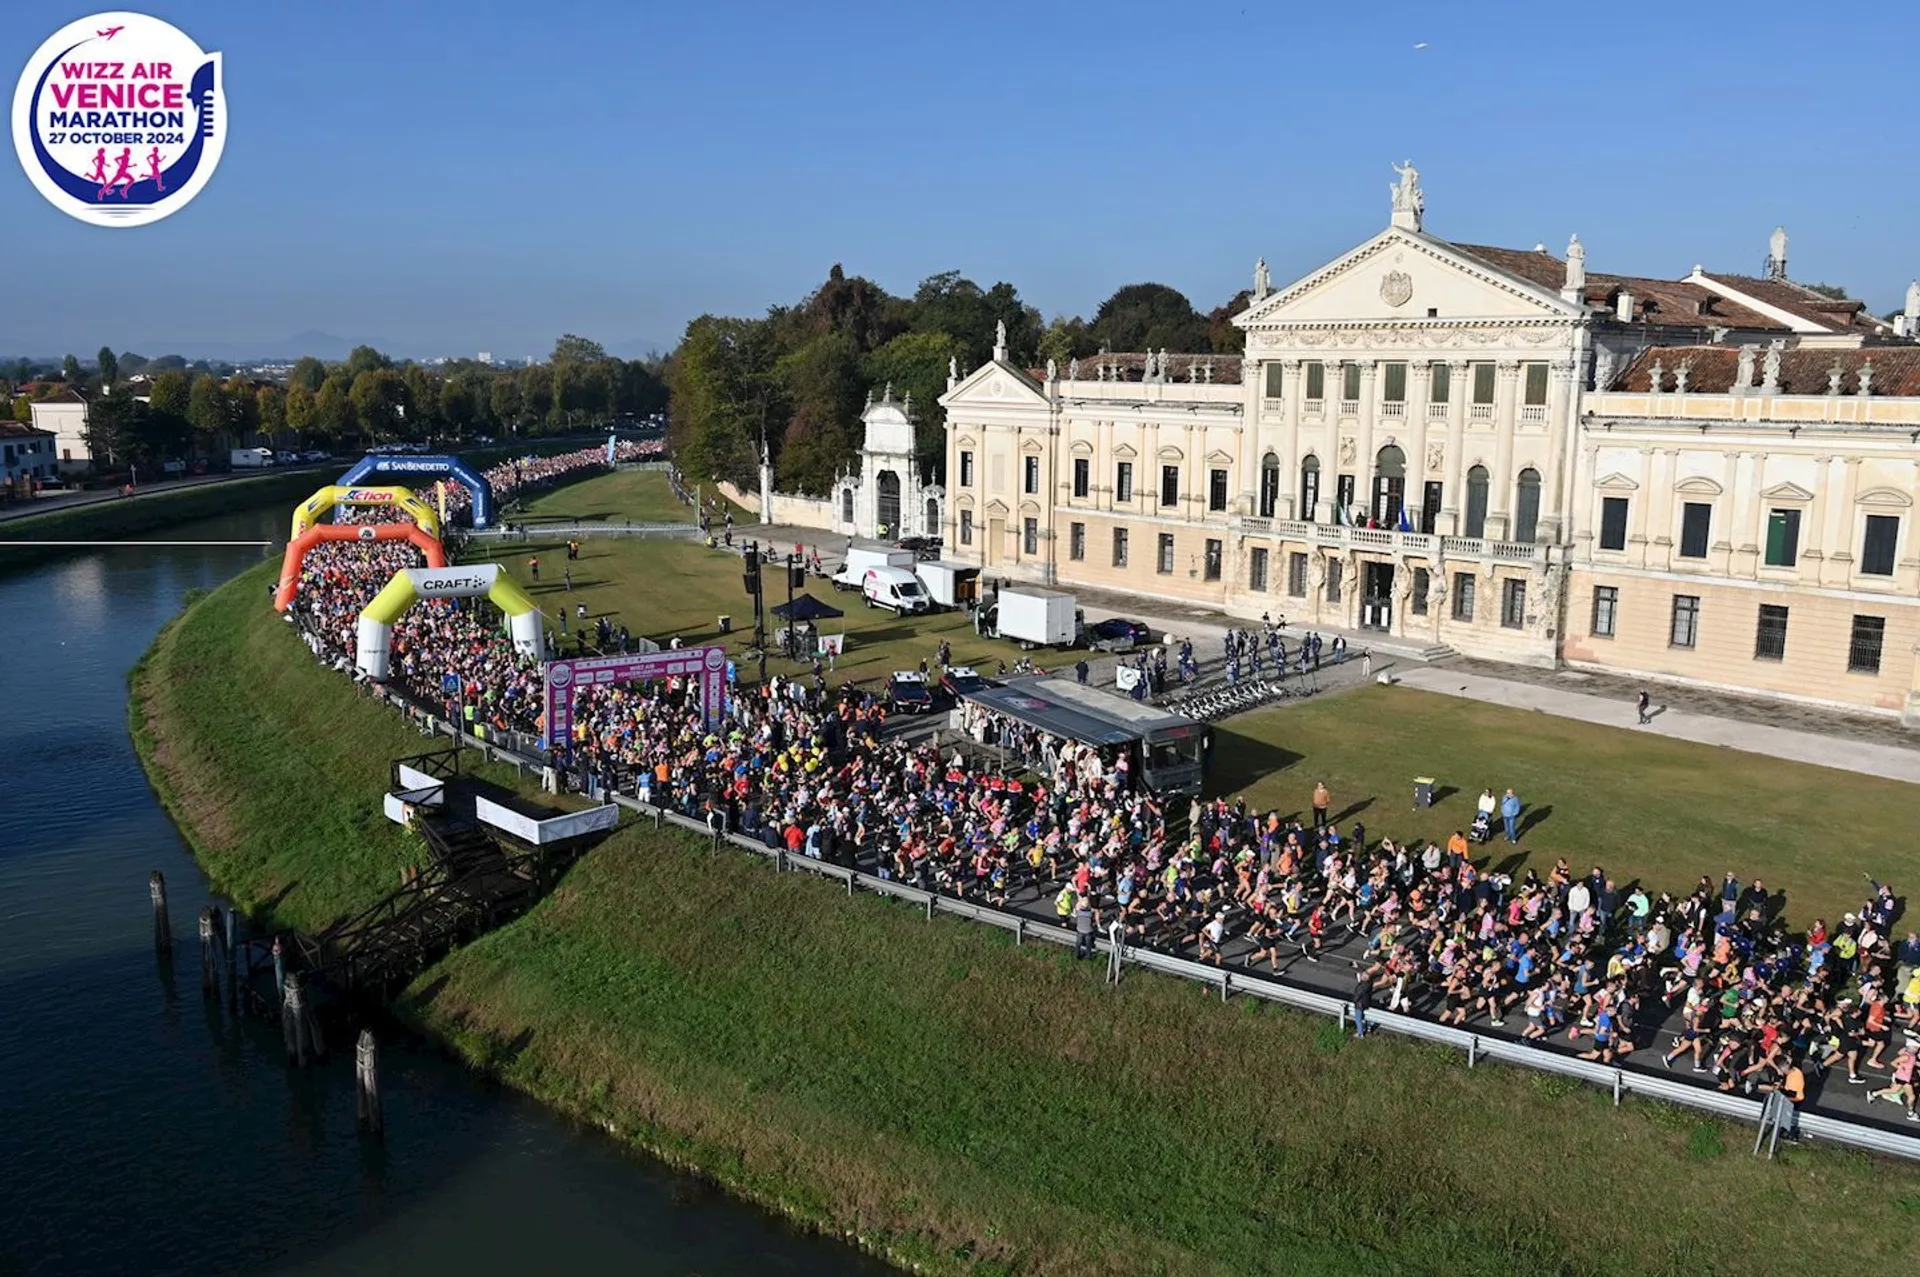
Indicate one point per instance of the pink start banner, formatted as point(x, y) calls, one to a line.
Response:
point(563, 678)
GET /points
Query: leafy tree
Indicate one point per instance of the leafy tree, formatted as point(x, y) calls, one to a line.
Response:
point(1066, 339)
point(504, 399)
point(1834, 291)
point(298, 409)
point(536, 394)
point(724, 397)
point(23, 410)
point(640, 389)
point(379, 398)
point(1222, 337)
point(366, 359)
point(458, 403)
point(209, 412)
point(333, 414)
point(70, 371)
point(309, 373)
point(821, 380)
point(1149, 317)
point(165, 363)
point(243, 405)
point(116, 430)
point(270, 411)
point(423, 399)
point(109, 366)
point(574, 349)
point(916, 365)
point(853, 307)
point(168, 401)
point(952, 304)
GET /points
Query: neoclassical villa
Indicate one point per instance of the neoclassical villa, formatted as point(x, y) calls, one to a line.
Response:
point(1494, 451)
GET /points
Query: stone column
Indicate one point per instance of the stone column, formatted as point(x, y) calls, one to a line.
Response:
point(1751, 543)
point(1500, 482)
point(1837, 571)
point(1554, 519)
point(1726, 520)
point(1638, 512)
point(1452, 507)
point(1253, 430)
point(1416, 410)
point(1364, 450)
point(1661, 519)
point(1293, 389)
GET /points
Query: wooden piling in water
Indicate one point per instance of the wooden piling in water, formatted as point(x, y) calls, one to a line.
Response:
point(299, 1025)
point(162, 926)
point(209, 954)
point(366, 1079)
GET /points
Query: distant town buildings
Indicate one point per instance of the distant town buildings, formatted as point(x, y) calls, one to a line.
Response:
point(27, 455)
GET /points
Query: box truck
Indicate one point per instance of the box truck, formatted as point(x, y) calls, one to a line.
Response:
point(1034, 618)
point(250, 458)
point(949, 585)
point(862, 557)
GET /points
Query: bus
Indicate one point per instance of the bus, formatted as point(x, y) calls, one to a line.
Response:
point(1168, 752)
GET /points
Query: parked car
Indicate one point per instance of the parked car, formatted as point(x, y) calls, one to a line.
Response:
point(908, 694)
point(961, 679)
point(175, 466)
point(1117, 634)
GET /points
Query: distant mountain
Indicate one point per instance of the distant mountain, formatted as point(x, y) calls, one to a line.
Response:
point(324, 346)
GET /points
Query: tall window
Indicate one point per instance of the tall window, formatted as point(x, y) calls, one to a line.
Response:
point(1343, 487)
point(1770, 634)
point(1274, 384)
point(1309, 487)
point(966, 469)
point(1334, 567)
point(1316, 381)
point(1696, 521)
point(1216, 489)
point(1030, 536)
point(1030, 475)
point(1082, 476)
point(1119, 547)
point(1526, 506)
point(1297, 575)
point(1613, 523)
point(1536, 389)
point(1606, 611)
point(1463, 596)
point(1483, 383)
point(846, 506)
point(1476, 503)
point(1169, 485)
point(1441, 383)
point(1269, 485)
point(1685, 631)
point(1783, 538)
point(1863, 647)
point(1513, 603)
point(1257, 569)
point(1350, 381)
point(1123, 482)
point(1163, 561)
point(1212, 560)
point(1077, 541)
point(1393, 383)
point(1422, 587)
point(1876, 548)
point(966, 527)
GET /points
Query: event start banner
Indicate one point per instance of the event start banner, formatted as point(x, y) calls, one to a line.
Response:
point(563, 678)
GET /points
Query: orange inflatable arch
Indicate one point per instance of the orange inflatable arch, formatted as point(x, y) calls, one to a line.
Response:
point(323, 532)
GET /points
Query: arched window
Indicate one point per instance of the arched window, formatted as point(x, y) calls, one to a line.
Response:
point(1526, 506)
point(1476, 524)
point(933, 517)
point(1309, 486)
point(846, 505)
point(887, 504)
point(1389, 486)
point(1269, 482)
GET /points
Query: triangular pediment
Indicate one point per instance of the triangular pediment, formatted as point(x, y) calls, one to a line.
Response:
point(1219, 458)
point(1399, 276)
point(1124, 451)
point(994, 383)
point(1617, 482)
point(1787, 492)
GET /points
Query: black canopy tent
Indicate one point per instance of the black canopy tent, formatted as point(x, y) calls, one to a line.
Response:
point(806, 608)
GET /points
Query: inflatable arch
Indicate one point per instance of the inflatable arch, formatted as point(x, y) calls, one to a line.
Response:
point(392, 468)
point(410, 584)
point(320, 533)
point(309, 512)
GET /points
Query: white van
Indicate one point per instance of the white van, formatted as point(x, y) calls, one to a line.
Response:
point(895, 588)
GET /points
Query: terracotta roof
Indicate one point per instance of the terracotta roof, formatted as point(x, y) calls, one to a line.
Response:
point(1676, 302)
point(1533, 265)
point(1226, 368)
point(20, 430)
point(1803, 371)
point(1840, 316)
point(64, 395)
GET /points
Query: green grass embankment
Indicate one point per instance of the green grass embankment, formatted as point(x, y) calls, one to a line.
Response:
point(116, 518)
point(954, 1101)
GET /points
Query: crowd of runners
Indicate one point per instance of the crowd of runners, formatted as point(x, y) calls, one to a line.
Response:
point(1564, 955)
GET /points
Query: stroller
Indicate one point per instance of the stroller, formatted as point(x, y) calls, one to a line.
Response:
point(1482, 827)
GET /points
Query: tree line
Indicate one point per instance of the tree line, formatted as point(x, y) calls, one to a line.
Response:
point(179, 410)
point(797, 378)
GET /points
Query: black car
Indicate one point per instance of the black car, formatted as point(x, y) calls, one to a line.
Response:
point(1116, 634)
point(908, 693)
point(961, 679)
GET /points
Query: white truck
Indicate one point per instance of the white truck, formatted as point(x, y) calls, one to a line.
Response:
point(895, 589)
point(1034, 618)
point(861, 557)
point(949, 585)
point(250, 458)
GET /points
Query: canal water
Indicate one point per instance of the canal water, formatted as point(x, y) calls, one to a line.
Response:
point(142, 1131)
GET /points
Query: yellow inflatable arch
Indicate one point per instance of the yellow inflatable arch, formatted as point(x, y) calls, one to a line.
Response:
point(315, 507)
point(375, 646)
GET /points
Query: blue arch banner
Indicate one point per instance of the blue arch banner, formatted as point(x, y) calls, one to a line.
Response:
point(391, 467)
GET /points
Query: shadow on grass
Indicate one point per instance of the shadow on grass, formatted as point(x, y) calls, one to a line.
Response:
point(1240, 761)
point(1443, 792)
point(1534, 816)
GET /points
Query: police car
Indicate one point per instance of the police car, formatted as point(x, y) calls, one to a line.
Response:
point(907, 690)
point(961, 679)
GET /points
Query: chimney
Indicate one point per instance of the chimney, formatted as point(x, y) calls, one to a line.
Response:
point(1623, 307)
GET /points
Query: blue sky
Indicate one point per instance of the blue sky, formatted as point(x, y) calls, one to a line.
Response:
point(458, 176)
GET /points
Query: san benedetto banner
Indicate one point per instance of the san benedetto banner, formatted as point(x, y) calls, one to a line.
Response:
point(119, 119)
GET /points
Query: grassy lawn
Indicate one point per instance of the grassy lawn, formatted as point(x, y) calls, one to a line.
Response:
point(639, 496)
point(968, 1104)
point(1663, 811)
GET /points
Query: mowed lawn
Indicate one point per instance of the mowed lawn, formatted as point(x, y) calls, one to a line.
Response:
point(1644, 807)
point(639, 496)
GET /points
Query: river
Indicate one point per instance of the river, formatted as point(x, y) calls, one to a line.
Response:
point(143, 1131)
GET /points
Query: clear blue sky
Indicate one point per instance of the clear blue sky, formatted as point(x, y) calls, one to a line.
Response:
point(458, 176)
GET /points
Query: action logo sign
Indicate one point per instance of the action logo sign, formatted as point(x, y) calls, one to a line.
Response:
point(119, 119)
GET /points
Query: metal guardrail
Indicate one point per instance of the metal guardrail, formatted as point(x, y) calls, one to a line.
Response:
point(541, 530)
